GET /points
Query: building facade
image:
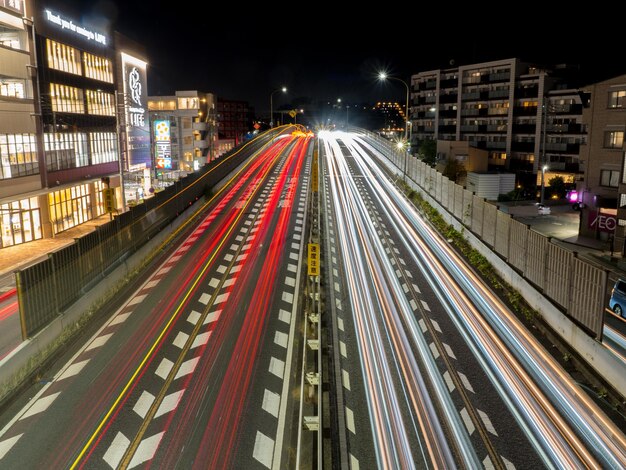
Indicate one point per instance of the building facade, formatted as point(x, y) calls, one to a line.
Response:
point(234, 119)
point(503, 107)
point(184, 129)
point(603, 189)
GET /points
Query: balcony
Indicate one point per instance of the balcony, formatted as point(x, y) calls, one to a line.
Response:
point(500, 77)
point(524, 128)
point(498, 94)
point(471, 96)
point(467, 128)
point(447, 113)
point(565, 109)
point(430, 99)
point(560, 147)
point(496, 145)
point(571, 128)
point(447, 129)
point(470, 112)
point(527, 92)
point(524, 147)
point(430, 84)
point(448, 98)
point(497, 128)
point(449, 83)
point(498, 111)
point(525, 110)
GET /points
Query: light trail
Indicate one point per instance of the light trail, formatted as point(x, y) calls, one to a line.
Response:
point(563, 423)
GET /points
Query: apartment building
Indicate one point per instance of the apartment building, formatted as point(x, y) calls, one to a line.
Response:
point(603, 189)
point(234, 119)
point(512, 109)
point(184, 129)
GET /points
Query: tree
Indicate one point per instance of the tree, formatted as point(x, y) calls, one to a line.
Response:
point(428, 151)
point(557, 186)
point(454, 170)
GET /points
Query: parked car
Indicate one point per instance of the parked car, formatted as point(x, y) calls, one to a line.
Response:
point(618, 298)
point(543, 209)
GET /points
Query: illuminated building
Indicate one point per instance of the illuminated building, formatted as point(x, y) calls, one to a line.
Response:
point(392, 118)
point(191, 116)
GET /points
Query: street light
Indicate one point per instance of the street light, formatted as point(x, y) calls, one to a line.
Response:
point(284, 90)
point(382, 76)
point(543, 176)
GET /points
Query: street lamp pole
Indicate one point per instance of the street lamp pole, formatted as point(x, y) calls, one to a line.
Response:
point(384, 76)
point(284, 90)
point(543, 175)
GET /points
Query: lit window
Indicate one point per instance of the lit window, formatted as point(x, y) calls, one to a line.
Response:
point(616, 99)
point(66, 99)
point(100, 103)
point(613, 139)
point(609, 178)
point(12, 88)
point(63, 57)
point(98, 68)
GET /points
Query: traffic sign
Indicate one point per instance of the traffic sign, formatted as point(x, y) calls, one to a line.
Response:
point(314, 259)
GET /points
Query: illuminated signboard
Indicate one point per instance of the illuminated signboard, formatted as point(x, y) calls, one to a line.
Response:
point(69, 25)
point(15, 5)
point(162, 145)
point(135, 99)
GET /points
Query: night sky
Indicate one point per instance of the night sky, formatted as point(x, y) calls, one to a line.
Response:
point(322, 52)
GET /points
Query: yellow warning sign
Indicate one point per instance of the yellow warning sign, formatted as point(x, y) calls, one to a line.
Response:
point(293, 113)
point(109, 199)
point(314, 175)
point(314, 259)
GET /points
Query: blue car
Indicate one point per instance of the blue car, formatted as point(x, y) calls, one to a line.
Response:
point(618, 298)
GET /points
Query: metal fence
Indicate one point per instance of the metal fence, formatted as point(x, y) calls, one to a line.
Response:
point(578, 287)
point(48, 288)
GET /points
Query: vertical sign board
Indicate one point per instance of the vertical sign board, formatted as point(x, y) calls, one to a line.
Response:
point(162, 144)
point(109, 200)
point(135, 104)
point(314, 259)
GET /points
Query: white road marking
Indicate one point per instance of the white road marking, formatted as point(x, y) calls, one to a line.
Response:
point(228, 257)
point(345, 378)
point(434, 350)
point(337, 287)
point(180, 340)
point(354, 463)
point(509, 465)
point(229, 282)
point(7, 444)
point(204, 298)
point(221, 269)
point(238, 238)
point(290, 281)
point(425, 306)
point(236, 269)
point(72, 370)
point(292, 268)
point(151, 283)
point(488, 464)
point(295, 246)
point(187, 367)
point(405, 288)
point(487, 422)
point(164, 368)
point(116, 450)
point(169, 403)
point(449, 350)
point(281, 339)
point(398, 273)
point(288, 297)
point(184, 248)
point(297, 236)
point(40, 405)
point(213, 316)
point(271, 402)
point(241, 257)
point(146, 450)
point(201, 339)
point(284, 316)
point(246, 247)
point(466, 382)
point(263, 449)
point(138, 298)
point(338, 304)
point(164, 270)
point(143, 404)
point(99, 341)
point(120, 318)
point(413, 304)
point(449, 382)
point(350, 420)
point(294, 256)
point(297, 228)
point(340, 323)
point(335, 272)
point(214, 282)
point(422, 325)
point(193, 317)
point(221, 298)
point(468, 422)
point(277, 367)
point(342, 349)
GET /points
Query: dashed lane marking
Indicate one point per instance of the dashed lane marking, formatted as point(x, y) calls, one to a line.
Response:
point(229, 282)
point(164, 368)
point(187, 367)
point(277, 367)
point(169, 403)
point(211, 317)
point(116, 450)
point(436, 325)
point(281, 339)
point(422, 325)
point(204, 298)
point(151, 284)
point(221, 269)
point(99, 341)
point(146, 450)
point(342, 349)
point(345, 377)
point(201, 339)
point(340, 323)
point(449, 382)
point(180, 340)
point(294, 256)
point(143, 404)
point(164, 270)
point(413, 304)
point(72, 370)
point(425, 306)
point(214, 282)
point(405, 288)
point(449, 350)
point(7, 444)
point(40, 405)
point(120, 318)
point(221, 298)
point(228, 257)
point(292, 268)
point(193, 317)
point(468, 421)
point(263, 449)
point(434, 351)
point(350, 420)
point(137, 299)
point(354, 463)
point(487, 422)
point(288, 297)
point(284, 316)
point(271, 402)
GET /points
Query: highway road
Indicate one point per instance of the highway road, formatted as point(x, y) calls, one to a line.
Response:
point(196, 369)
point(435, 371)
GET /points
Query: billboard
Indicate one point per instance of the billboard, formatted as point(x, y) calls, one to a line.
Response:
point(162, 144)
point(135, 104)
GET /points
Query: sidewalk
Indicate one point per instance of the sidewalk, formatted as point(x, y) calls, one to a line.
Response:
point(25, 254)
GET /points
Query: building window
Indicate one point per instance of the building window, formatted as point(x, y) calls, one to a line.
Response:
point(18, 155)
point(20, 222)
point(12, 88)
point(103, 146)
point(99, 202)
point(69, 207)
point(624, 168)
point(188, 103)
point(66, 99)
point(65, 150)
point(616, 99)
point(609, 178)
point(98, 68)
point(10, 37)
point(100, 103)
point(63, 57)
point(613, 139)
